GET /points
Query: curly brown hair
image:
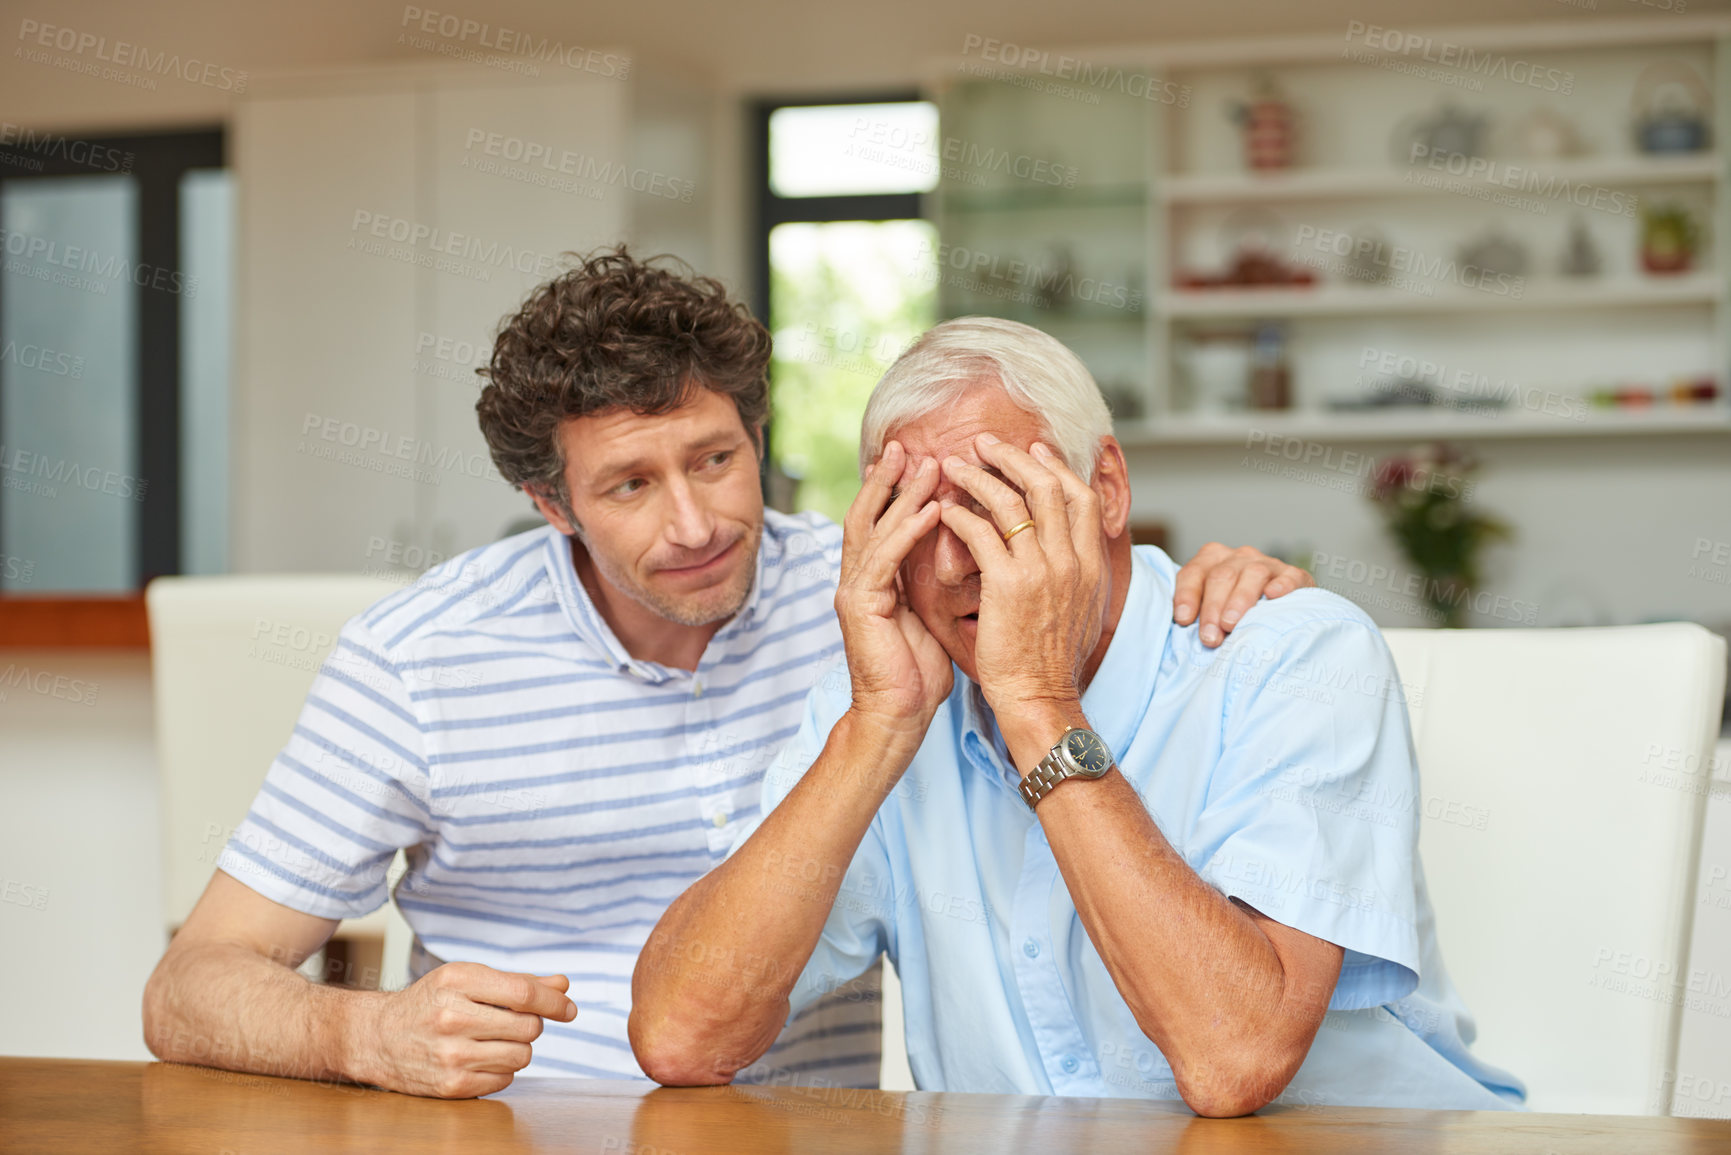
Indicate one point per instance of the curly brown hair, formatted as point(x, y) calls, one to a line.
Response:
point(614, 332)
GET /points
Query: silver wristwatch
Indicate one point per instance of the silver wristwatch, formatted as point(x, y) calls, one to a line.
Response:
point(1078, 754)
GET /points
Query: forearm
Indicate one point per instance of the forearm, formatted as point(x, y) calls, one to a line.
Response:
point(225, 1005)
point(1205, 984)
point(711, 987)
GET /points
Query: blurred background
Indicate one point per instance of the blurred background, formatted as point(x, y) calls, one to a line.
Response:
point(1430, 298)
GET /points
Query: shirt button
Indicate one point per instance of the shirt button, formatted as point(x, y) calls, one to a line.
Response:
point(1031, 949)
point(696, 688)
point(720, 819)
point(1069, 1064)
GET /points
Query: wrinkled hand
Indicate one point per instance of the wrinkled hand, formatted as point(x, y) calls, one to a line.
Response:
point(900, 673)
point(462, 1030)
point(1043, 593)
point(1226, 583)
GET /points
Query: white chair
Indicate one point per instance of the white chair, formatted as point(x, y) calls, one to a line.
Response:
point(1702, 1086)
point(895, 1073)
point(1560, 838)
point(232, 659)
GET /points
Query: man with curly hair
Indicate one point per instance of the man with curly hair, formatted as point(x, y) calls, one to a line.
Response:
point(640, 659)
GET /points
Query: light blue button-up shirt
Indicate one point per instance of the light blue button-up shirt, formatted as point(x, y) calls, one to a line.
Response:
point(1280, 766)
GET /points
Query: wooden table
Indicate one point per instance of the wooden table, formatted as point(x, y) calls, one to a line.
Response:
point(70, 1106)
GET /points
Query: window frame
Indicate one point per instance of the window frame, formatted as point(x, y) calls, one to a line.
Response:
point(160, 161)
point(770, 208)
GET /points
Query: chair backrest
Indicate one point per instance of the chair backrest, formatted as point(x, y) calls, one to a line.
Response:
point(1560, 836)
point(1702, 1086)
point(232, 659)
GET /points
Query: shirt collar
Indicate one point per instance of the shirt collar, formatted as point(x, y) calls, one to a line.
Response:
point(981, 745)
point(590, 627)
point(1117, 697)
point(1124, 684)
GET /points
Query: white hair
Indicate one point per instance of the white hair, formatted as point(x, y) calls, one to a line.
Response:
point(1038, 372)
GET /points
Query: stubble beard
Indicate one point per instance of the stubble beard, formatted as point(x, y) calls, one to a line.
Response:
point(702, 609)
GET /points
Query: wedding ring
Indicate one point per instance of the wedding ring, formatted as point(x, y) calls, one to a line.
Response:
point(1017, 528)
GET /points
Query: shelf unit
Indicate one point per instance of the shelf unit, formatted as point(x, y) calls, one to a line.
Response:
point(1070, 260)
point(1406, 425)
point(1359, 183)
point(1705, 289)
point(1190, 191)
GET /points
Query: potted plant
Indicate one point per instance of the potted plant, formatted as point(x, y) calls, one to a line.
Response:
point(1668, 239)
point(1424, 500)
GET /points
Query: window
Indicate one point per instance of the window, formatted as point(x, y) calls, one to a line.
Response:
point(847, 276)
point(113, 359)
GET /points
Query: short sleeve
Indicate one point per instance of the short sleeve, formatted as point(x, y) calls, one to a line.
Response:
point(858, 929)
point(345, 794)
point(1311, 814)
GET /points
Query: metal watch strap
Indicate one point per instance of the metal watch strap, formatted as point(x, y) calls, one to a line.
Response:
point(1042, 778)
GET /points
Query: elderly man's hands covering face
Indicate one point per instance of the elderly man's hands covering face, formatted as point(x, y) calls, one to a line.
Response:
point(900, 673)
point(1043, 591)
point(1022, 618)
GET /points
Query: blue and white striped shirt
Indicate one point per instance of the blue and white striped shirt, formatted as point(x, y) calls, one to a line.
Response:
point(553, 794)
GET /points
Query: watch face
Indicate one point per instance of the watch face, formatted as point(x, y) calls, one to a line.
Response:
point(1088, 753)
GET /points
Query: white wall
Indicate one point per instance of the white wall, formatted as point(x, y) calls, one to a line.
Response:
point(745, 46)
point(389, 219)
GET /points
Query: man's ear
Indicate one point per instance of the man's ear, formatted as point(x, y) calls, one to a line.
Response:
point(548, 508)
point(1112, 483)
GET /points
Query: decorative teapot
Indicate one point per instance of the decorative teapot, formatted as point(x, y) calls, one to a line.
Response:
point(1495, 252)
point(1670, 108)
point(1448, 131)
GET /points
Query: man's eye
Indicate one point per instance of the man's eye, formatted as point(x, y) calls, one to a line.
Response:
point(628, 486)
point(719, 459)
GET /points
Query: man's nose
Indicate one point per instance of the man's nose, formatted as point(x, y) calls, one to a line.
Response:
point(690, 524)
point(953, 563)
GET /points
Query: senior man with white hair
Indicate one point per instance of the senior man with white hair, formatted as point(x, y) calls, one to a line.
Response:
point(1104, 859)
